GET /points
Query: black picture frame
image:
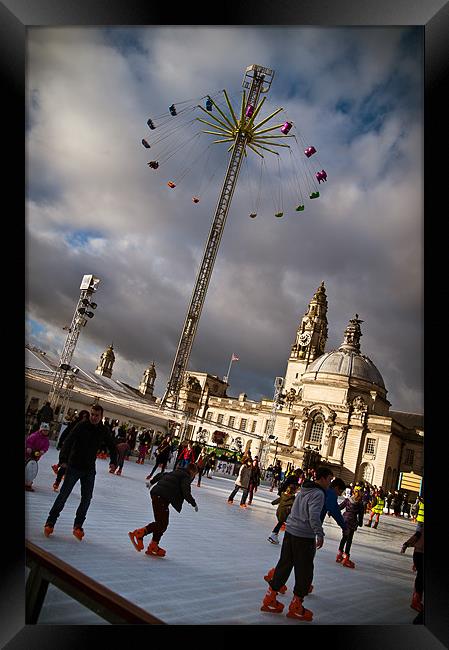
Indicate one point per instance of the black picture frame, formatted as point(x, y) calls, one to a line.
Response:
point(433, 15)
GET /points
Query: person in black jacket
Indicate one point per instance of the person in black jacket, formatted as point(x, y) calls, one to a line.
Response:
point(169, 488)
point(79, 452)
point(59, 468)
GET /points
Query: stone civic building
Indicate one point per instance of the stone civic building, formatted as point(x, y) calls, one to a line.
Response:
point(334, 405)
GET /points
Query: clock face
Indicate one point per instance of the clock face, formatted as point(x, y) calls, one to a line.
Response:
point(304, 338)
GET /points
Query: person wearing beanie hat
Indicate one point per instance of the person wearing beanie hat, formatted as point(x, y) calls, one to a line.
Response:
point(36, 444)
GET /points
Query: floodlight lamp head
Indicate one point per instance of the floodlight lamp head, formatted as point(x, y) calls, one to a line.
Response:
point(93, 305)
point(89, 314)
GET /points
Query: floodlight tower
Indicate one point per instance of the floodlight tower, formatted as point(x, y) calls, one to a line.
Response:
point(58, 389)
point(268, 435)
point(243, 133)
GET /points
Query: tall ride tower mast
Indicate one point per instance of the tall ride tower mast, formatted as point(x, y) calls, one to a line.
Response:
point(243, 133)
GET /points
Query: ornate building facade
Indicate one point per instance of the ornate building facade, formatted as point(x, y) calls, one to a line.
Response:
point(334, 404)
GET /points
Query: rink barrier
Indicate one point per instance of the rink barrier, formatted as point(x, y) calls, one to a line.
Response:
point(46, 568)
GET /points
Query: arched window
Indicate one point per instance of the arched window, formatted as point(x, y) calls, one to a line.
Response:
point(316, 430)
point(367, 472)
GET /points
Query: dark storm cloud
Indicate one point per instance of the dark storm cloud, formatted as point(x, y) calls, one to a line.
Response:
point(94, 207)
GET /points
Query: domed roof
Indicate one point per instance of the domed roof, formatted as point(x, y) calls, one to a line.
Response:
point(347, 360)
point(349, 364)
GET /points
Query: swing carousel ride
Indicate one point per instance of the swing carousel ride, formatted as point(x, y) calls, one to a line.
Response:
point(245, 131)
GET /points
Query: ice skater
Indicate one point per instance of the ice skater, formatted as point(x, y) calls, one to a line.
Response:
point(242, 481)
point(417, 541)
point(377, 508)
point(171, 488)
point(36, 445)
point(353, 516)
point(285, 502)
point(79, 452)
point(162, 454)
point(123, 448)
point(59, 468)
point(304, 534)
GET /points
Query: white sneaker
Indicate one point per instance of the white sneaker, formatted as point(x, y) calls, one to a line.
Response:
point(273, 538)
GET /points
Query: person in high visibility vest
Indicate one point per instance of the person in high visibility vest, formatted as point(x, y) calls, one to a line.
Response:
point(420, 515)
point(377, 508)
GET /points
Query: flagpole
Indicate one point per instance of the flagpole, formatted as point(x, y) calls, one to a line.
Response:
point(226, 377)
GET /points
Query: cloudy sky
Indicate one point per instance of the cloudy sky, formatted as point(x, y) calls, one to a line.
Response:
point(95, 207)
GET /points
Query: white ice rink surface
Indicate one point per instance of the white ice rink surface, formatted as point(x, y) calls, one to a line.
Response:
point(216, 558)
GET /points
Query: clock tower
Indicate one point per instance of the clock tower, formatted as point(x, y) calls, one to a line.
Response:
point(311, 337)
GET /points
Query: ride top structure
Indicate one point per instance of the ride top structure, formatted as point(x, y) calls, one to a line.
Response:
point(244, 133)
point(63, 379)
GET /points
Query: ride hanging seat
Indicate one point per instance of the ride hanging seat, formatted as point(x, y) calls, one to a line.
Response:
point(195, 199)
point(171, 184)
point(321, 176)
point(153, 164)
point(300, 208)
point(172, 110)
point(309, 151)
point(253, 215)
point(145, 143)
point(150, 124)
point(286, 127)
point(278, 214)
point(208, 104)
point(314, 195)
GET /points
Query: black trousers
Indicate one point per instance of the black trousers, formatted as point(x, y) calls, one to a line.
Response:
point(346, 542)
point(296, 553)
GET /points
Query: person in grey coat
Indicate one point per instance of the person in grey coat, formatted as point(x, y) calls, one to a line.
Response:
point(170, 488)
point(242, 481)
point(303, 535)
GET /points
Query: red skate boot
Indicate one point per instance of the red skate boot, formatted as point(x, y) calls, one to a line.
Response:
point(55, 486)
point(347, 562)
point(55, 468)
point(48, 530)
point(339, 557)
point(269, 577)
point(270, 604)
point(136, 537)
point(296, 610)
point(78, 532)
point(155, 549)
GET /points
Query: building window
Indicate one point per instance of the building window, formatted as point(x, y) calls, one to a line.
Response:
point(317, 428)
point(253, 426)
point(231, 421)
point(332, 445)
point(370, 447)
point(267, 422)
point(409, 456)
point(243, 423)
point(209, 416)
point(220, 418)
